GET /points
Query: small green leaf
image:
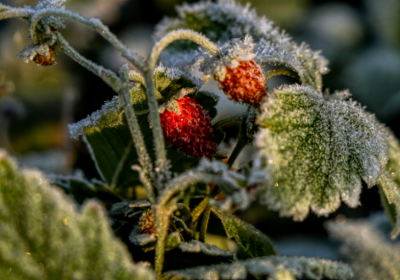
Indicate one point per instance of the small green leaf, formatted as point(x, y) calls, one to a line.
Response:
point(254, 242)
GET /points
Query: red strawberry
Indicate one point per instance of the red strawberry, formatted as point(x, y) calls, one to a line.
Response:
point(189, 131)
point(244, 83)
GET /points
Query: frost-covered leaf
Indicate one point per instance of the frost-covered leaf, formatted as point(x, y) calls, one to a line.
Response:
point(317, 151)
point(225, 20)
point(275, 267)
point(254, 242)
point(389, 184)
point(43, 236)
point(371, 253)
point(108, 136)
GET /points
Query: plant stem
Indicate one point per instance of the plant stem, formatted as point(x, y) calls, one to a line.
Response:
point(8, 12)
point(108, 76)
point(282, 71)
point(134, 128)
point(94, 24)
point(167, 200)
point(204, 223)
point(162, 164)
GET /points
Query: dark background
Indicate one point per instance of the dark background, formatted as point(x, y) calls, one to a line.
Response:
point(361, 39)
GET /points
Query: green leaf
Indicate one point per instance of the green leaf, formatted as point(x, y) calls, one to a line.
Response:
point(43, 236)
point(389, 183)
point(275, 267)
point(254, 242)
point(316, 151)
point(109, 139)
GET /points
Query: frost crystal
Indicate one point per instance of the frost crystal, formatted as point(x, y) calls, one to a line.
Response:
point(107, 115)
point(276, 267)
point(231, 54)
point(226, 20)
point(317, 151)
point(372, 256)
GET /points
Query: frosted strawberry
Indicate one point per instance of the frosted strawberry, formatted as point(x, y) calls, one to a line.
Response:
point(244, 83)
point(238, 75)
point(187, 127)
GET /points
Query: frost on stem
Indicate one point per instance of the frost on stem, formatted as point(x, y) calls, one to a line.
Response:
point(317, 151)
point(225, 20)
point(369, 250)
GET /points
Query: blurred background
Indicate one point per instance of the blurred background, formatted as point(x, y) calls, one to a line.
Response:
point(360, 38)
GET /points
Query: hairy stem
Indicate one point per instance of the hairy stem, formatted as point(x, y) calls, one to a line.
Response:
point(8, 12)
point(204, 223)
point(109, 77)
point(134, 128)
point(94, 24)
point(282, 71)
point(166, 203)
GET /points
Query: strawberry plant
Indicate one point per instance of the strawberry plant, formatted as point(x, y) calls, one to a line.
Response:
point(157, 138)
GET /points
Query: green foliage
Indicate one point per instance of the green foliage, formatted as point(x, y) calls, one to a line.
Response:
point(317, 151)
point(276, 267)
point(389, 183)
point(254, 242)
point(225, 20)
point(108, 137)
point(43, 236)
point(371, 254)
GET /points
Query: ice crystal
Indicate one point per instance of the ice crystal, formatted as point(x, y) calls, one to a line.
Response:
point(107, 115)
point(231, 54)
point(371, 254)
point(276, 267)
point(226, 20)
point(317, 151)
